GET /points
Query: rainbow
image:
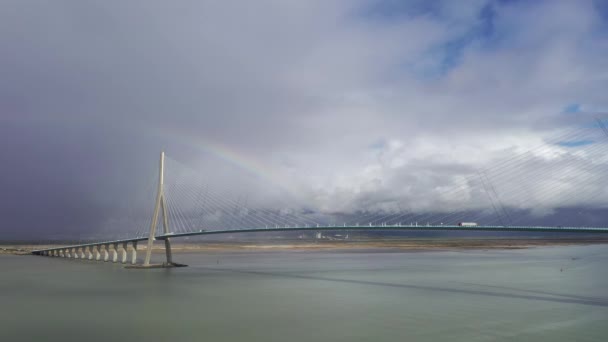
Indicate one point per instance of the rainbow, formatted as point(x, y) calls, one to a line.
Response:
point(233, 157)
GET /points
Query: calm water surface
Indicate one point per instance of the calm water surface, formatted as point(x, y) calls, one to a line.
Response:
point(540, 294)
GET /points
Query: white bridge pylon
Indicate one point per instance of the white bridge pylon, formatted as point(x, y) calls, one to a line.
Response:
point(160, 207)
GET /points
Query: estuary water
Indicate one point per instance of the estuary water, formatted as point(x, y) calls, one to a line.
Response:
point(537, 294)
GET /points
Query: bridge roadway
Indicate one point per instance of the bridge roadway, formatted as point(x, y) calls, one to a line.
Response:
point(95, 249)
point(396, 227)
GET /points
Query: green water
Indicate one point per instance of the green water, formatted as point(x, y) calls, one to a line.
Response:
point(540, 294)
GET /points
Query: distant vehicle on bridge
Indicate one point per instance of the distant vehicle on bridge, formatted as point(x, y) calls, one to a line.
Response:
point(467, 224)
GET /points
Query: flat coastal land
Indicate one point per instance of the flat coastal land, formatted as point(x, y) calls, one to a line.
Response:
point(371, 244)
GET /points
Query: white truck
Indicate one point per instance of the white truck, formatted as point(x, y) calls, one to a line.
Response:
point(467, 224)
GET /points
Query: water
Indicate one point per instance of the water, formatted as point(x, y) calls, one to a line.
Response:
point(540, 294)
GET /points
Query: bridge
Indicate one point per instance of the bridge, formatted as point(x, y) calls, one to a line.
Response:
point(101, 250)
point(264, 221)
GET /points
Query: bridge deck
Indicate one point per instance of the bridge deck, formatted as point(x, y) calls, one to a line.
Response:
point(359, 228)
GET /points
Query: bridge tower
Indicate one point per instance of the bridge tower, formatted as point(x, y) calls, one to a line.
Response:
point(160, 207)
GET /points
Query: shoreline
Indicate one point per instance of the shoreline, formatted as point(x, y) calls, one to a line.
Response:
point(376, 244)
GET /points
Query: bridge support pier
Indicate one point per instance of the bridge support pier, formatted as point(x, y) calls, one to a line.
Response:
point(168, 255)
point(106, 255)
point(115, 253)
point(75, 253)
point(89, 254)
point(66, 253)
point(97, 254)
point(82, 256)
point(134, 253)
point(124, 253)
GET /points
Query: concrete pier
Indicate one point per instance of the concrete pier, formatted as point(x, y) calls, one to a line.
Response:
point(66, 253)
point(82, 256)
point(124, 253)
point(106, 256)
point(115, 253)
point(89, 254)
point(74, 253)
point(134, 253)
point(97, 255)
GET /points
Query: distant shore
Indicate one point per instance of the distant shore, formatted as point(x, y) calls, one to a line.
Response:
point(375, 244)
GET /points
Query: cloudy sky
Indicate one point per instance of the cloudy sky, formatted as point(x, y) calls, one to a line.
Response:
point(348, 104)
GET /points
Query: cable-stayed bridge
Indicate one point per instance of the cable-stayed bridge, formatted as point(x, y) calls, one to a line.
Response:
point(496, 199)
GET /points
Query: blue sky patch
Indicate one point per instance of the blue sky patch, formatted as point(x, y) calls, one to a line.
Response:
point(378, 144)
point(572, 108)
point(575, 143)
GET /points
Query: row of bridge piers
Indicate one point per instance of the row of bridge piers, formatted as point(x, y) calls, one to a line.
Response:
point(100, 252)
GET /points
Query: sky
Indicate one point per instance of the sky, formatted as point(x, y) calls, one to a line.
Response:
point(344, 105)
